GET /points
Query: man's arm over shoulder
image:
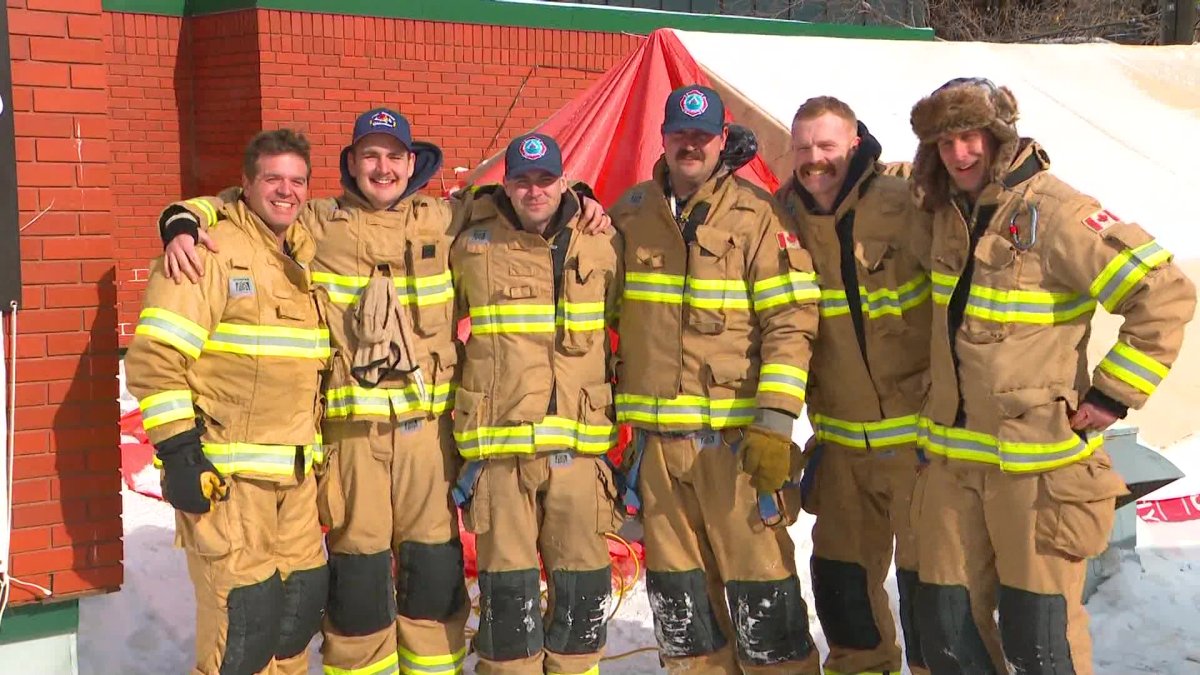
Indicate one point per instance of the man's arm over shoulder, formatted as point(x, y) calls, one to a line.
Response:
point(1125, 269)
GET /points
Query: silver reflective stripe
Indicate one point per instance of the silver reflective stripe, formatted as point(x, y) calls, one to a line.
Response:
point(171, 328)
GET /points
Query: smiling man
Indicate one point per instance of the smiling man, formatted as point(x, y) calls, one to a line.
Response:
point(1019, 491)
point(719, 311)
point(866, 385)
point(228, 376)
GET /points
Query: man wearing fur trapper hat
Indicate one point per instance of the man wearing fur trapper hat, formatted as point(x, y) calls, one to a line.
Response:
point(1019, 491)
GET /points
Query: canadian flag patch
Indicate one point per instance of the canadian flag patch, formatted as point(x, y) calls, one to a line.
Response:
point(787, 240)
point(1101, 220)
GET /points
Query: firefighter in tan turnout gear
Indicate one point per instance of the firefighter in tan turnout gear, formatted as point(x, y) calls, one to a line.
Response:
point(1019, 491)
point(719, 307)
point(227, 374)
point(534, 415)
point(867, 381)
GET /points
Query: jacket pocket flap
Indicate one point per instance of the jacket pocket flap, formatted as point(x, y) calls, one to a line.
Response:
point(799, 260)
point(599, 396)
point(728, 371)
point(1089, 480)
point(649, 257)
point(1128, 236)
point(714, 241)
point(872, 252)
point(1017, 402)
point(584, 266)
point(995, 251)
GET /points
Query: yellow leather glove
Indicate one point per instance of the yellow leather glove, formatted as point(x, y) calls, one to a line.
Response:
point(767, 457)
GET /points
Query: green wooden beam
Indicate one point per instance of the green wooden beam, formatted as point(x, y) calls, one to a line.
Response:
point(529, 14)
point(30, 622)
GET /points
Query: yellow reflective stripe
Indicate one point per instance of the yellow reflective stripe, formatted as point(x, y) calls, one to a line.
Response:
point(355, 400)
point(490, 319)
point(793, 287)
point(166, 406)
point(653, 287)
point(879, 302)
point(582, 316)
point(943, 286)
point(1015, 305)
point(1125, 271)
point(252, 340)
point(717, 294)
point(412, 664)
point(1011, 456)
point(1134, 368)
point(549, 434)
point(389, 665)
point(272, 460)
point(879, 434)
point(782, 379)
point(174, 329)
point(430, 290)
point(421, 291)
point(202, 205)
point(674, 289)
point(686, 411)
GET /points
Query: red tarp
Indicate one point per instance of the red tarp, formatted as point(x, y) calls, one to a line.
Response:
point(609, 135)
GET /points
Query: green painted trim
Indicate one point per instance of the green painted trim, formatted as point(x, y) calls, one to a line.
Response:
point(529, 14)
point(159, 7)
point(30, 622)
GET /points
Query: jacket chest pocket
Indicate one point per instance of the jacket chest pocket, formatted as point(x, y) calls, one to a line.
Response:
point(428, 290)
point(583, 289)
point(994, 301)
point(716, 286)
point(882, 298)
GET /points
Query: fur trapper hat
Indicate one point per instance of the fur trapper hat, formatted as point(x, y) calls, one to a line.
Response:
point(960, 105)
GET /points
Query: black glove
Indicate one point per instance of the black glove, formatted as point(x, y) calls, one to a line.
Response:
point(175, 221)
point(740, 147)
point(190, 482)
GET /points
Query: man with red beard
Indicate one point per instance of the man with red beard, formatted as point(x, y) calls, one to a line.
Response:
point(384, 489)
point(867, 380)
point(1019, 491)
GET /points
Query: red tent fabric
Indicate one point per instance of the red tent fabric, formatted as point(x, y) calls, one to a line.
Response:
point(610, 136)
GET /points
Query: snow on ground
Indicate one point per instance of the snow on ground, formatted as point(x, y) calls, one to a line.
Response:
point(1143, 618)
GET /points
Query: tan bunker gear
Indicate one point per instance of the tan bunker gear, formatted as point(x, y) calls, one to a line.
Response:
point(868, 378)
point(719, 309)
point(1015, 499)
point(235, 364)
point(533, 419)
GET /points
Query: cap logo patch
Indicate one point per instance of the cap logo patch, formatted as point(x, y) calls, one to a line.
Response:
point(693, 103)
point(533, 148)
point(383, 119)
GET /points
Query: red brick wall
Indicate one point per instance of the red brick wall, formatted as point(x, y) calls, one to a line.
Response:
point(143, 56)
point(66, 518)
point(460, 85)
point(186, 95)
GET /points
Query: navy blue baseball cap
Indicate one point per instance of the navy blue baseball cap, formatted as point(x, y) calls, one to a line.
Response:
point(694, 107)
point(383, 121)
point(529, 152)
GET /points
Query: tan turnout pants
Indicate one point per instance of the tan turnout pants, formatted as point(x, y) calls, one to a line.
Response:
point(560, 506)
point(258, 569)
point(398, 599)
point(862, 499)
point(991, 540)
point(723, 586)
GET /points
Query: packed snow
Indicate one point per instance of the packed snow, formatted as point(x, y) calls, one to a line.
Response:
point(1143, 618)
